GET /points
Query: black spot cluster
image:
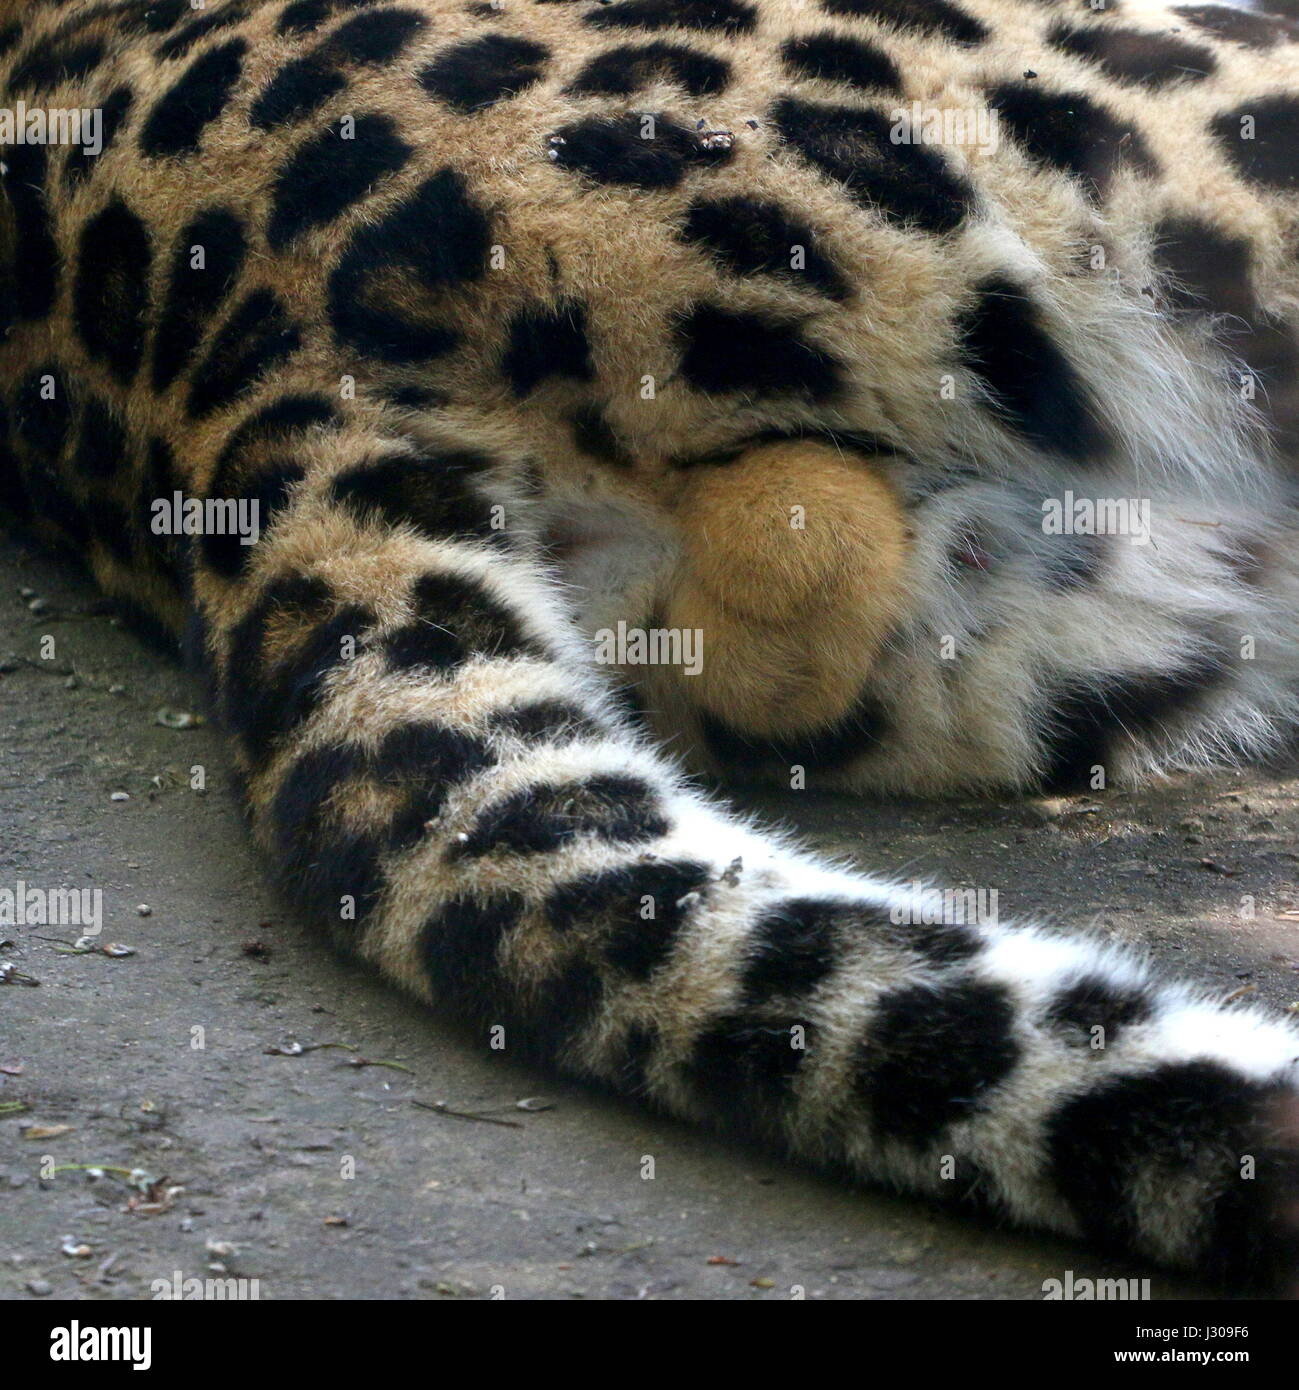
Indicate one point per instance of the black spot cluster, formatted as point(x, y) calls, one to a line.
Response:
point(706, 16)
point(937, 19)
point(264, 700)
point(610, 910)
point(47, 68)
point(206, 262)
point(637, 150)
point(853, 736)
point(305, 84)
point(306, 16)
point(258, 334)
point(456, 619)
point(435, 240)
point(1180, 1131)
point(478, 73)
point(1261, 31)
point(33, 291)
point(110, 294)
point(723, 351)
point(837, 58)
point(933, 1054)
point(547, 341)
point(1261, 138)
point(1082, 722)
point(1135, 56)
point(623, 70)
point(325, 860)
point(432, 493)
point(178, 44)
point(1007, 344)
point(753, 236)
point(258, 465)
point(910, 184)
point(331, 172)
point(1071, 132)
point(617, 809)
point(199, 96)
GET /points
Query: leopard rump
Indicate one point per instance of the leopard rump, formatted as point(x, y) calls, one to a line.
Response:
point(502, 367)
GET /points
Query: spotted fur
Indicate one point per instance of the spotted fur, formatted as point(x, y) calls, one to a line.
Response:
point(523, 319)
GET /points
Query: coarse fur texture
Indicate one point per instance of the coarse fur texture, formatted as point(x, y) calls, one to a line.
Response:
point(523, 320)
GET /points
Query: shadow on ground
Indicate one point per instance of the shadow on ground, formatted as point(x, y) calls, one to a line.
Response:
point(103, 1059)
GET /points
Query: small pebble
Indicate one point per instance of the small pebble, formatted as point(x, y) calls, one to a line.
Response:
point(120, 796)
point(177, 719)
point(40, 1287)
point(144, 910)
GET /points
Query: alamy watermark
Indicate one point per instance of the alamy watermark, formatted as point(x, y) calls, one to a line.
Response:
point(1097, 516)
point(26, 905)
point(655, 646)
point(76, 1343)
point(193, 1289)
point(918, 124)
point(947, 907)
point(21, 124)
point(179, 515)
point(1084, 1290)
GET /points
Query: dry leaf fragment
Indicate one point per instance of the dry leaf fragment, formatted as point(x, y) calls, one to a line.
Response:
point(46, 1131)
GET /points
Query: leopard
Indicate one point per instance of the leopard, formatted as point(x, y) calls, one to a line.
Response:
point(915, 381)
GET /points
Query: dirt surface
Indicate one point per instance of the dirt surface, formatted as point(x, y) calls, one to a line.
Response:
point(553, 1202)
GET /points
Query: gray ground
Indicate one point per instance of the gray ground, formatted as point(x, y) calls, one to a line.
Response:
point(551, 1204)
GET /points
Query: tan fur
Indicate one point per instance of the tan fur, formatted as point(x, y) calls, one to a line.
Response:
point(793, 568)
